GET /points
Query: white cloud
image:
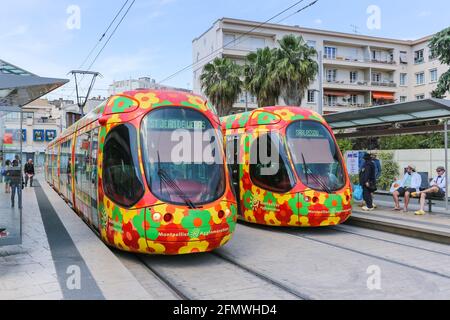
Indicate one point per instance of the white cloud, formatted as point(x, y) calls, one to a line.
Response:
point(424, 14)
point(318, 21)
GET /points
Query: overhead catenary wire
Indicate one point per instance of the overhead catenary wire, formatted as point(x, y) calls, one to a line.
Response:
point(103, 35)
point(110, 36)
point(241, 37)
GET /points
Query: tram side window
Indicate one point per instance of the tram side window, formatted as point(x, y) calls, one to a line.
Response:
point(94, 150)
point(122, 181)
point(82, 162)
point(274, 175)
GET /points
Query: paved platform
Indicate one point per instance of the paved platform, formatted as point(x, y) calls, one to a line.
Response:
point(58, 249)
point(433, 226)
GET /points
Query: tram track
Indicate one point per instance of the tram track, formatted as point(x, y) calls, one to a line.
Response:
point(374, 256)
point(339, 229)
point(295, 233)
point(262, 276)
point(171, 284)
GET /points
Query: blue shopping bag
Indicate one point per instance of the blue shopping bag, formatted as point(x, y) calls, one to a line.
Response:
point(357, 192)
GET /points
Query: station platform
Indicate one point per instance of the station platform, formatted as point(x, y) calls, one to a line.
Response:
point(434, 226)
point(60, 256)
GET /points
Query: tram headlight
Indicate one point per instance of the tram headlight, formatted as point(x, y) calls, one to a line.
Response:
point(156, 217)
point(227, 213)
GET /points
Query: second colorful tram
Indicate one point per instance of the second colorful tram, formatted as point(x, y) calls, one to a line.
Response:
point(286, 168)
point(123, 172)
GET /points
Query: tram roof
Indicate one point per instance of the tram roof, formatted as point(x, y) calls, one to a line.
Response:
point(413, 111)
point(19, 87)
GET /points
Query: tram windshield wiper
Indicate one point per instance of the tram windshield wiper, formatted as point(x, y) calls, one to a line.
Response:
point(164, 177)
point(317, 179)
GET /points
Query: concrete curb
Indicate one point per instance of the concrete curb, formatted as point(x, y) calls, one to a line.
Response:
point(412, 231)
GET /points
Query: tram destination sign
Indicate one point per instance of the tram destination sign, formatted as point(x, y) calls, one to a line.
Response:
point(176, 124)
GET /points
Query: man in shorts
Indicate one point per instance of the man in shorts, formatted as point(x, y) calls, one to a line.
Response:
point(410, 183)
point(437, 188)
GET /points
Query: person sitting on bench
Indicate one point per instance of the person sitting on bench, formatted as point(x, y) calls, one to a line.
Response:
point(410, 183)
point(437, 189)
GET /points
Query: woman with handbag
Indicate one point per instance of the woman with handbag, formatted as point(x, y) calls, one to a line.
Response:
point(367, 181)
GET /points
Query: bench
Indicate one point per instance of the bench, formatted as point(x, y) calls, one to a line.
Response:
point(425, 185)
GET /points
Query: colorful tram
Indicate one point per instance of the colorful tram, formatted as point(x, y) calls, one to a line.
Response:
point(286, 168)
point(115, 167)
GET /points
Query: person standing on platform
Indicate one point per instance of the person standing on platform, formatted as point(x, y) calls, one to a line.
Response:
point(15, 175)
point(5, 174)
point(29, 172)
point(367, 181)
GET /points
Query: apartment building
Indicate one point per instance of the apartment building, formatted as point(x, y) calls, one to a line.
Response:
point(41, 123)
point(140, 83)
point(359, 71)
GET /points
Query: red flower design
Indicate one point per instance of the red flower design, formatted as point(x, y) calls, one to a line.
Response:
point(130, 236)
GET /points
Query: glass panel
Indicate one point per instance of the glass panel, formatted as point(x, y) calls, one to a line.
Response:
point(11, 179)
point(121, 175)
point(183, 163)
point(274, 174)
point(315, 156)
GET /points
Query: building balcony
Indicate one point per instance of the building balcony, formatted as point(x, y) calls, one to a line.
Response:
point(360, 62)
point(361, 85)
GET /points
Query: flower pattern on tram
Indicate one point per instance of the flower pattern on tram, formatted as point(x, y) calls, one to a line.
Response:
point(299, 207)
point(152, 226)
point(147, 100)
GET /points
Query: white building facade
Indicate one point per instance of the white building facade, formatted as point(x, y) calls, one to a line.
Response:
point(41, 123)
point(359, 71)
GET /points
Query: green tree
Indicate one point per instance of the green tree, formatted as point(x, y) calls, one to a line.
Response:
point(440, 48)
point(258, 68)
point(389, 170)
point(222, 84)
point(427, 141)
point(345, 145)
point(294, 68)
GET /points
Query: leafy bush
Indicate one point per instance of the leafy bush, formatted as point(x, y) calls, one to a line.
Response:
point(389, 170)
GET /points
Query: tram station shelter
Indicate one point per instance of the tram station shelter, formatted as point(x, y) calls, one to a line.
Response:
point(387, 120)
point(17, 89)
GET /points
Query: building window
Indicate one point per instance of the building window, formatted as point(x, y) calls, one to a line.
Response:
point(403, 57)
point(257, 43)
point(353, 76)
point(403, 98)
point(420, 97)
point(311, 96)
point(376, 77)
point(330, 53)
point(331, 101)
point(403, 79)
point(311, 43)
point(353, 99)
point(228, 40)
point(420, 78)
point(434, 75)
point(331, 75)
point(418, 56)
point(377, 55)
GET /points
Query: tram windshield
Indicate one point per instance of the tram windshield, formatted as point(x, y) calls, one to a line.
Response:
point(182, 161)
point(316, 156)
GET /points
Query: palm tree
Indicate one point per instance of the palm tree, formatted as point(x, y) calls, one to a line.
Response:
point(294, 68)
point(222, 84)
point(257, 80)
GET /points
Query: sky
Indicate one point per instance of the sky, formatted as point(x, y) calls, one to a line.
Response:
point(155, 39)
